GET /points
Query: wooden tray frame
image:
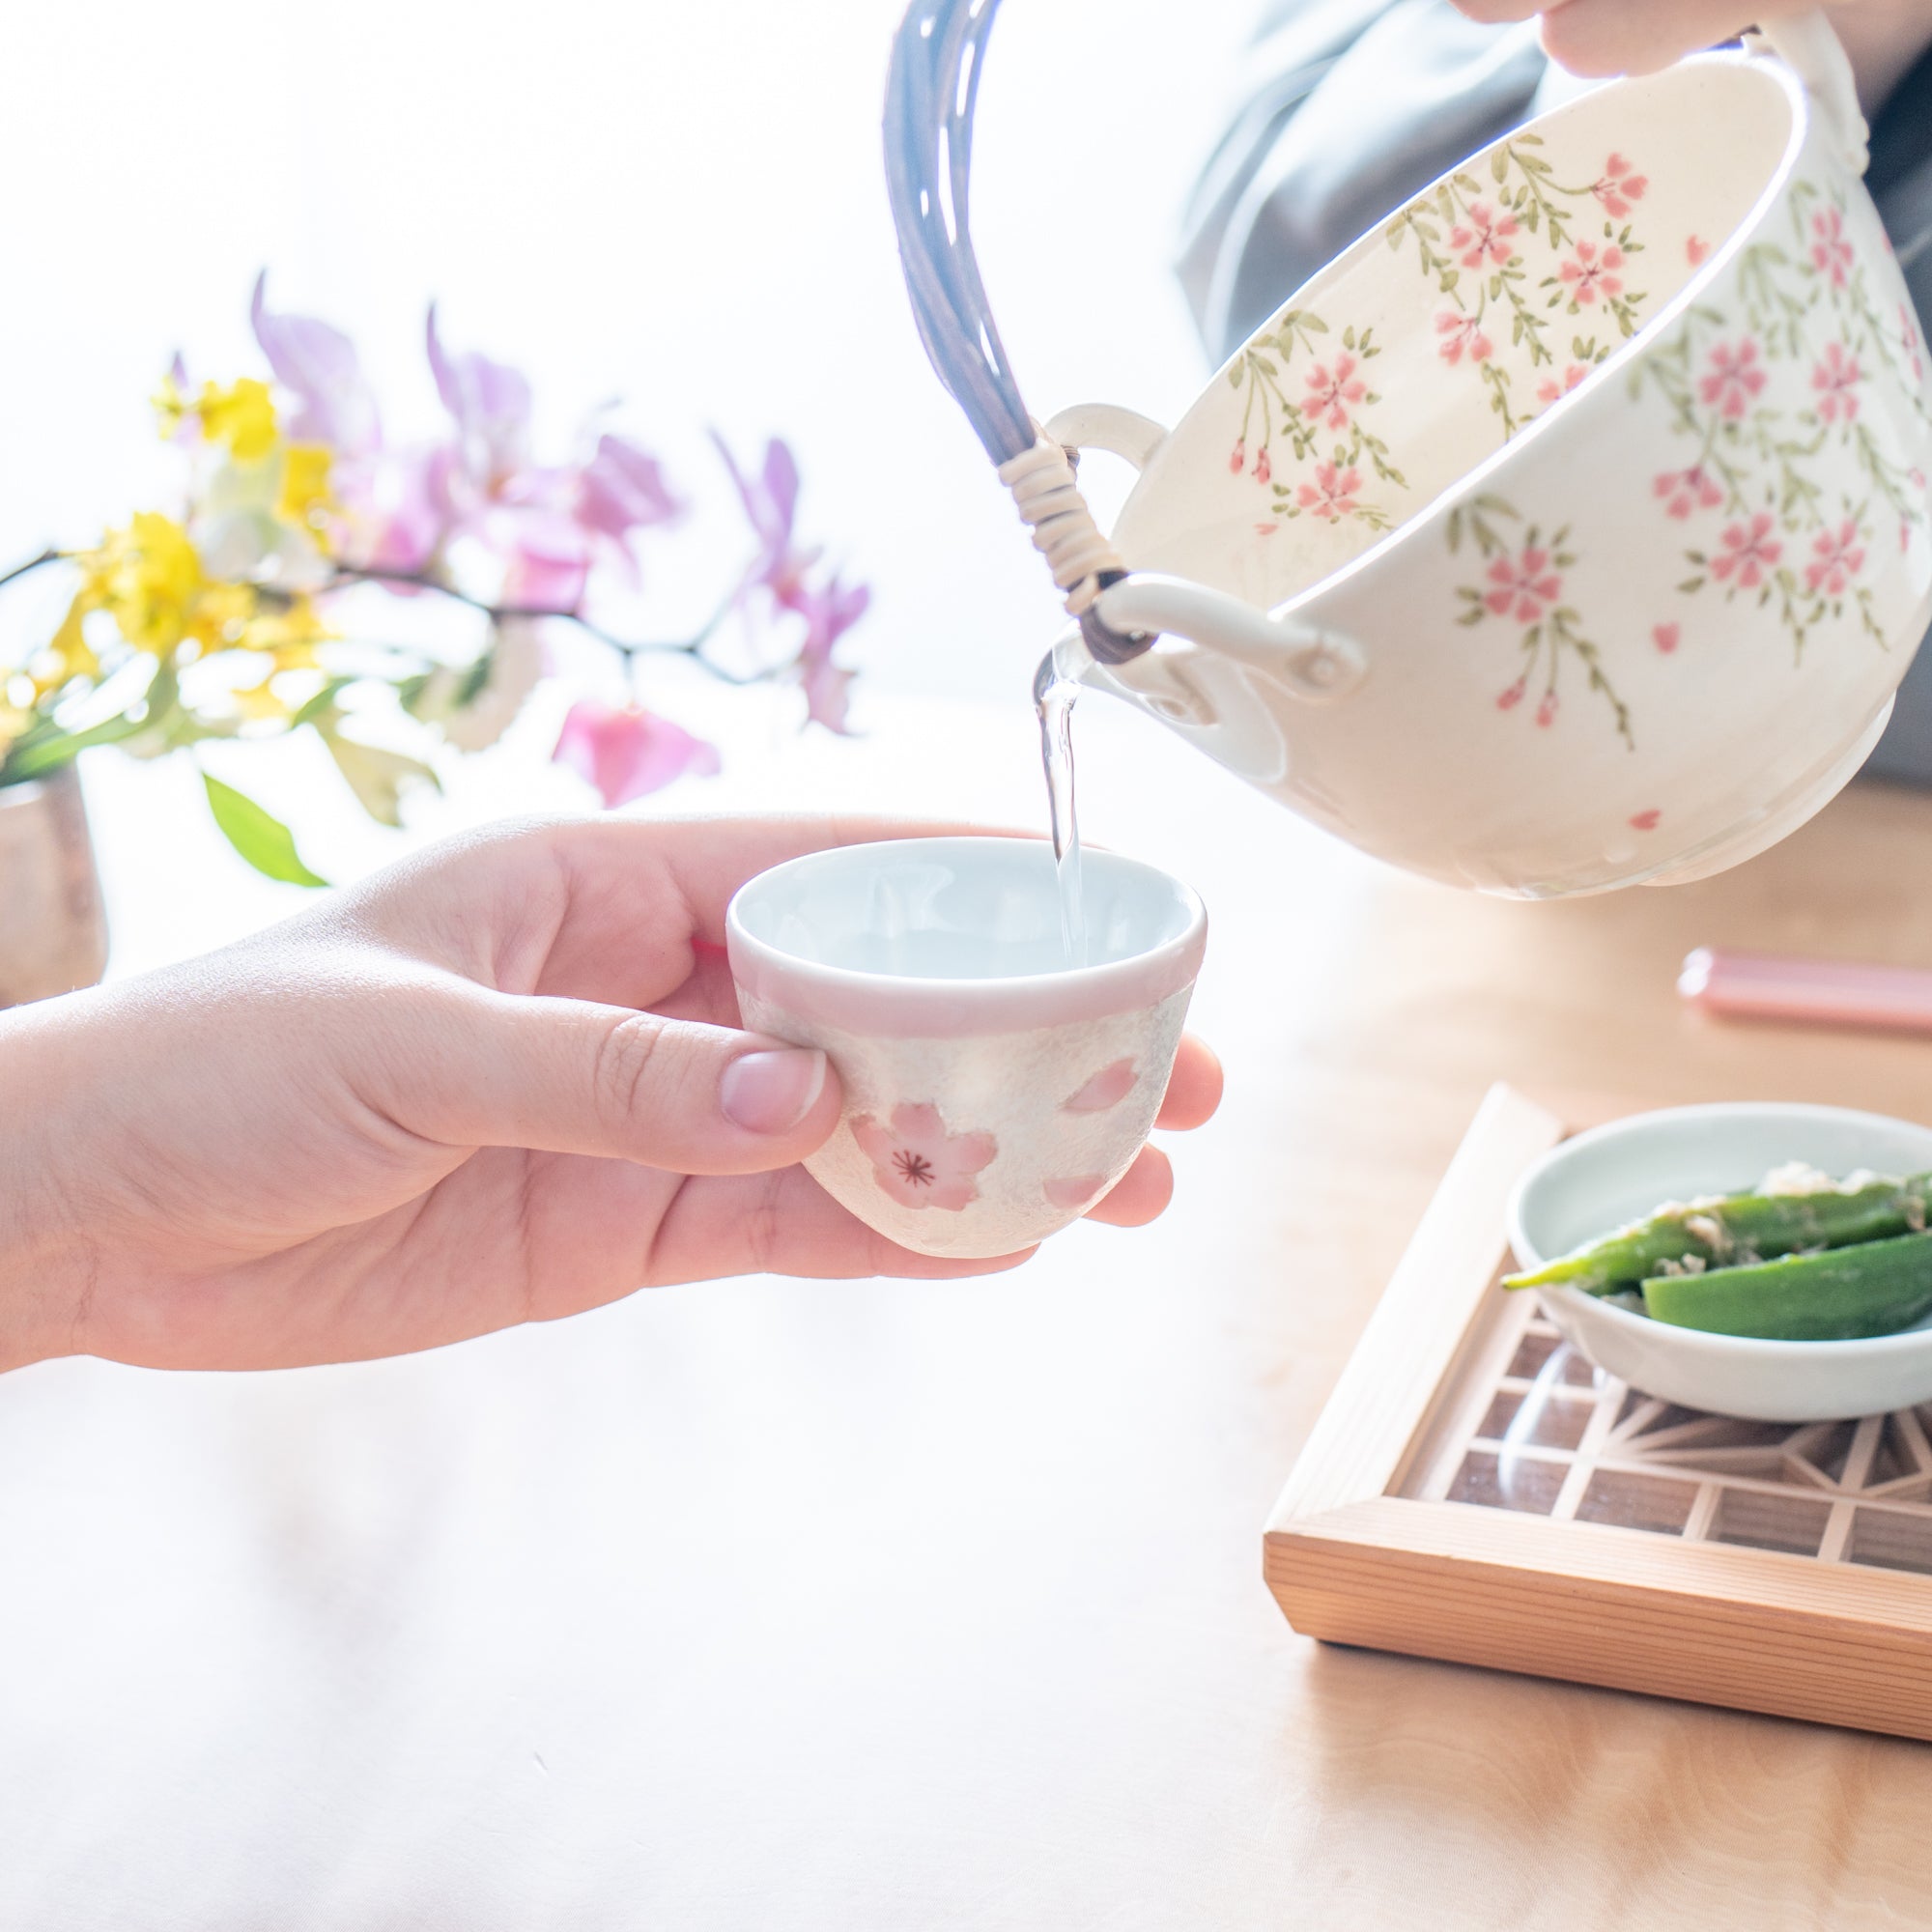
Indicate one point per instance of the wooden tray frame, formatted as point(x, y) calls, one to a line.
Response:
point(1353, 1559)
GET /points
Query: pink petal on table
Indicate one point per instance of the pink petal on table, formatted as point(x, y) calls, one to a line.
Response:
point(628, 752)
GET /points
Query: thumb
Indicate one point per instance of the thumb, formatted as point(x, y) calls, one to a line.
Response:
point(570, 1076)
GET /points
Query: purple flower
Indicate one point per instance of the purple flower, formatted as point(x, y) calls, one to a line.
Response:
point(627, 753)
point(393, 507)
point(622, 489)
point(771, 504)
point(829, 609)
point(549, 565)
point(317, 364)
point(490, 403)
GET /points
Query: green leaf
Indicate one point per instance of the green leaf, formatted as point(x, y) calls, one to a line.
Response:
point(323, 703)
point(265, 842)
point(376, 776)
point(1499, 167)
point(1235, 375)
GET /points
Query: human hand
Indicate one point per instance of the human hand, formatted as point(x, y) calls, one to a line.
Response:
point(1605, 37)
point(500, 1082)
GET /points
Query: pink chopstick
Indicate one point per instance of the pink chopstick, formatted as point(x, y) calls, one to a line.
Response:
point(1827, 992)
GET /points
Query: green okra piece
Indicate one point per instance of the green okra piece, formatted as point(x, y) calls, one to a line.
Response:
point(1873, 1287)
point(1719, 1232)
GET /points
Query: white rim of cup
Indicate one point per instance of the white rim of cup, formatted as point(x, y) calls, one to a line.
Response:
point(901, 1005)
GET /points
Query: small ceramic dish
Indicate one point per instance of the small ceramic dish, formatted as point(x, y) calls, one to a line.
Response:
point(1614, 1173)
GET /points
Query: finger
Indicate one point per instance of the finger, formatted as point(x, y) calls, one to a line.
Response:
point(786, 1224)
point(638, 897)
point(1500, 13)
point(1193, 1088)
point(1597, 38)
point(469, 1067)
point(609, 909)
point(1140, 1194)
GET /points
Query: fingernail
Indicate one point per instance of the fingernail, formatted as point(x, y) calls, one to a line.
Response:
point(771, 1091)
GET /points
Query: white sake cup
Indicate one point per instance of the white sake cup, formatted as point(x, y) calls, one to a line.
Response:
point(993, 1090)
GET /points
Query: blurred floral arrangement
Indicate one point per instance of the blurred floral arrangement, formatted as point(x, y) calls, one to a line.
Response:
point(236, 616)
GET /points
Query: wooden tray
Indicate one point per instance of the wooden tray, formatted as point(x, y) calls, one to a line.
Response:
point(1475, 1491)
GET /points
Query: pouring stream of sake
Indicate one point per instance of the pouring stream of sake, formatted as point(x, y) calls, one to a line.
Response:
point(1056, 685)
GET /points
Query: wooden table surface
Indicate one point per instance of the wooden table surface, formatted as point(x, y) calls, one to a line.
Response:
point(768, 1606)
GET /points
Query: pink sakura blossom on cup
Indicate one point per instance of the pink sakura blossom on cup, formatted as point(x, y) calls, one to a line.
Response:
point(1835, 379)
point(1733, 379)
point(1332, 493)
point(1461, 334)
point(1592, 273)
point(1830, 252)
point(919, 1163)
point(1333, 390)
point(1687, 489)
point(994, 1088)
point(1550, 391)
point(1523, 582)
point(1836, 558)
point(1618, 187)
point(1484, 238)
point(1909, 341)
point(1748, 552)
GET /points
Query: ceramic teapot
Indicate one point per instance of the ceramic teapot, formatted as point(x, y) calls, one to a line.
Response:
point(1568, 531)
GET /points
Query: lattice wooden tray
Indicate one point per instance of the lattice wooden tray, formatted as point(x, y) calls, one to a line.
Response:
point(1477, 1490)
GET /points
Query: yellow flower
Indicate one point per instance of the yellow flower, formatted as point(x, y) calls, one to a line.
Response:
point(304, 492)
point(241, 415)
point(221, 615)
point(170, 404)
point(259, 702)
point(68, 654)
point(147, 578)
point(288, 633)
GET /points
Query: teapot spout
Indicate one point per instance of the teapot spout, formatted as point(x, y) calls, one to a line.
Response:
point(1317, 666)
